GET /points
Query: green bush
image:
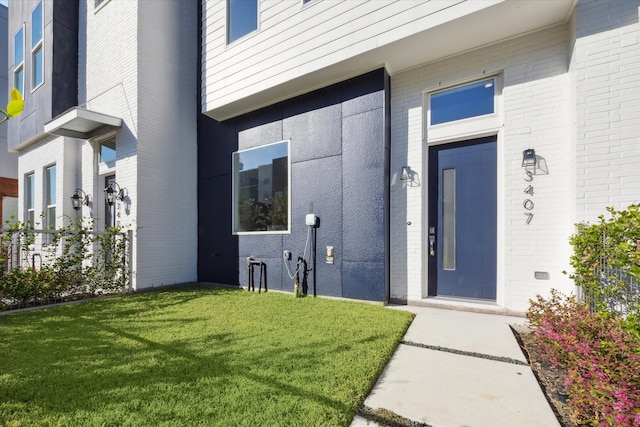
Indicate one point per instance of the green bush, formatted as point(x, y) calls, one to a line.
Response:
point(611, 245)
point(86, 262)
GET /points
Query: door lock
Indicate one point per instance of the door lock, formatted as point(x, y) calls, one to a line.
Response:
point(432, 244)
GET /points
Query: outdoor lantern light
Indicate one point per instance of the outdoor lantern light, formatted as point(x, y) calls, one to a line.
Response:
point(404, 174)
point(79, 198)
point(113, 192)
point(528, 157)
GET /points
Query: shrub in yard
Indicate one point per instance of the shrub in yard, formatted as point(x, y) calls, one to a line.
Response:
point(606, 255)
point(74, 261)
point(601, 359)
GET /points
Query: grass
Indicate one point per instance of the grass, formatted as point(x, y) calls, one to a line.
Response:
point(197, 356)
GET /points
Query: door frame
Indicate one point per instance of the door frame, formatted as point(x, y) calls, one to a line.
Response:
point(433, 226)
point(457, 131)
point(500, 214)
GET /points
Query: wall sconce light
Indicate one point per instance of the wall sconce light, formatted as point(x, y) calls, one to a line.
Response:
point(113, 192)
point(79, 198)
point(528, 157)
point(404, 174)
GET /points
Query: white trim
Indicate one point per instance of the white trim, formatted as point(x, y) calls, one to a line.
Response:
point(233, 192)
point(38, 46)
point(244, 36)
point(20, 66)
point(462, 130)
point(82, 124)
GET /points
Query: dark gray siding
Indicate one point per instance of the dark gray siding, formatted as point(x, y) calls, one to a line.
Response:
point(339, 171)
point(64, 71)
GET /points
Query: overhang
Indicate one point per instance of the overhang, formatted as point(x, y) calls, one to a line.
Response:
point(477, 24)
point(82, 124)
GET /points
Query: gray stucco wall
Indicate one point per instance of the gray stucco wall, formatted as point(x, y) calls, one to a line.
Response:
point(339, 171)
point(59, 90)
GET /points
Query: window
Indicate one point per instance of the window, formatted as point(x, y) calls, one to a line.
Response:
point(97, 4)
point(108, 150)
point(30, 199)
point(37, 71)
point(18, 60)
point(50, 197)
point(261, 189)
point(242, 18)
point(462, 102)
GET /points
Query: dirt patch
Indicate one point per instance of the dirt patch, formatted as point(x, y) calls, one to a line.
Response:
point(551, 379)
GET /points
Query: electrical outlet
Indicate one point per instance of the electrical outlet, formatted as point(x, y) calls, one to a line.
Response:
point(286, 255)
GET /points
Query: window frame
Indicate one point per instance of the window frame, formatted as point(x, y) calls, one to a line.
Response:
point(19, 68)
point(235, 214)
point(50, 195)
point(99, 4)
point(36, 48)
point(30, 199)
point(228, 23)
point(108, 143)
point(476, 126)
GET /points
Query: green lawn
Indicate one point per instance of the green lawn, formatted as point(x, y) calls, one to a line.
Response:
point(197, 356)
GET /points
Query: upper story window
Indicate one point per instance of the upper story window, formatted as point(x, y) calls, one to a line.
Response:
point(97, 4)
point(18, 60)
point(463, 102)
point(261, 189)
point(37, 56)
point(30, 199)
point(242, 18)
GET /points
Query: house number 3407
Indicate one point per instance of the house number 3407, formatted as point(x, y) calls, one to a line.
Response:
point(528, 203)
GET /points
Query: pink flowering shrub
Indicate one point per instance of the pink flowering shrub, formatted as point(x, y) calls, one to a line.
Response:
point(600, 356)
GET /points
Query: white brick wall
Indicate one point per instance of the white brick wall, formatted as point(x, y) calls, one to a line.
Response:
point(607, 74)
point(59, 151)
point(536, 106)
point(167, 143)
point(138, 61)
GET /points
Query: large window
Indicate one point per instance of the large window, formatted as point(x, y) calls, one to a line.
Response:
point(37, 71)
point(18, 60)
point(30, 199)
point(50, 197)
point(242, 18)
point(261, 189)
point(463, 102)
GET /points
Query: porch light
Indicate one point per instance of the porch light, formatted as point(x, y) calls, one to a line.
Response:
point(79, 198)
point(404, 174)
point(113, 192)
point(528, 157)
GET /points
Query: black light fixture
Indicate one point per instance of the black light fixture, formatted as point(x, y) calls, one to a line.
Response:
point(404, 174)
point(113, 192)
point(529, 158)
point(79, 198)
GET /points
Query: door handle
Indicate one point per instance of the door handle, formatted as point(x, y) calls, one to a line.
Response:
point(432, 244)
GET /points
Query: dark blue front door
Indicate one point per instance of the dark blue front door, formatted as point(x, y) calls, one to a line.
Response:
point(462, 219)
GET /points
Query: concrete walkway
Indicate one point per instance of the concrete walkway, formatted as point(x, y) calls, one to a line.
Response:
point(460, 369)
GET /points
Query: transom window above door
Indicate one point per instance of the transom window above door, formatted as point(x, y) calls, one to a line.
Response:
point(463, 102)
point(463, 111)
